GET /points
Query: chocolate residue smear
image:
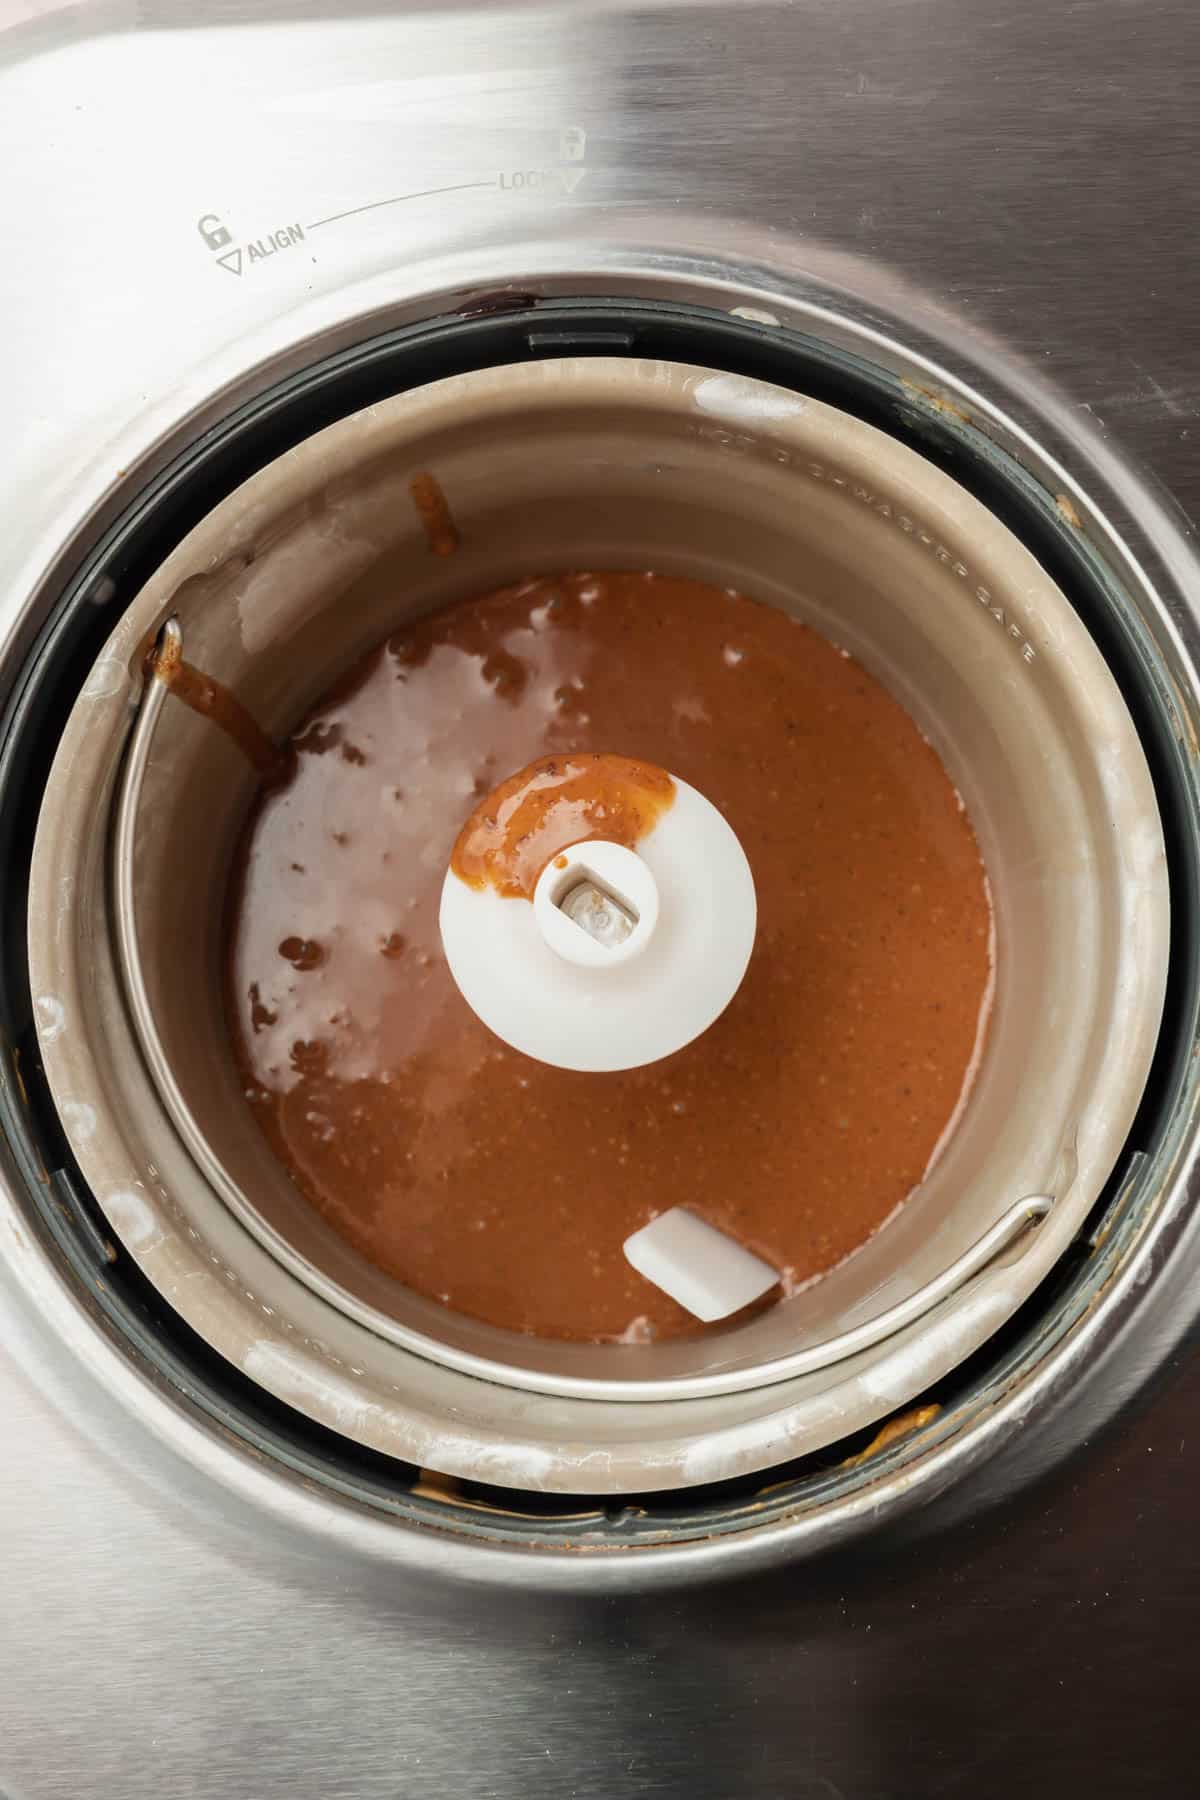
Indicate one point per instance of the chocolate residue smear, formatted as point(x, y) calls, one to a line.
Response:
point(434, 511)
point(796, 1123)
point(213, 701)
point(554, 803)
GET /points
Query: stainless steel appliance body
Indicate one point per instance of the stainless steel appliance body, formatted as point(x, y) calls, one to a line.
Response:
point(204, 206)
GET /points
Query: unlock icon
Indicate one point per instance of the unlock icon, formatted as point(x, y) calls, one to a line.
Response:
point(213, 232)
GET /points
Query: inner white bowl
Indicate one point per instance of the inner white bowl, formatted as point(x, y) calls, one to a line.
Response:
point(602, 463)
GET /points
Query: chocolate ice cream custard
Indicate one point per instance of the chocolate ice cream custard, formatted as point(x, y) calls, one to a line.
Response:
point(797, 1123)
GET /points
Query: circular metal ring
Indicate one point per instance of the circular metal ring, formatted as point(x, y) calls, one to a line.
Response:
point(1150, 1211)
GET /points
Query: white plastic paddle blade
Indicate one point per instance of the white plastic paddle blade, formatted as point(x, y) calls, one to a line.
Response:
point(701, 1268)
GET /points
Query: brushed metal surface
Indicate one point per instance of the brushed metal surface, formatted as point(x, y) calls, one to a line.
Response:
point(1006, 176)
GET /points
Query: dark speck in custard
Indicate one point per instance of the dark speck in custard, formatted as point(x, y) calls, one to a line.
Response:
point(302, 953)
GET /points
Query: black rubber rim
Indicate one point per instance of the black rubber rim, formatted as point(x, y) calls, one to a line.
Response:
point(80, 618)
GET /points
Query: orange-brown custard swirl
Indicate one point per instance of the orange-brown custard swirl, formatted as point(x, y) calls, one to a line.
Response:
point(556, 802)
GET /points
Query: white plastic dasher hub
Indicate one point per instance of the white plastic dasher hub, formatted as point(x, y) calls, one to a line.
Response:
point(623, 956)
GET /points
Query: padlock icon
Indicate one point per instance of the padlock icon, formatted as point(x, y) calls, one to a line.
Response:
point(213, 232)
point(572, 141)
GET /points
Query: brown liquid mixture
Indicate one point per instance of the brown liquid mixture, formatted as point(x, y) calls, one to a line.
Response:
point(796, 1123)
point(433, 510)
point(212, 701)
point(554, 803)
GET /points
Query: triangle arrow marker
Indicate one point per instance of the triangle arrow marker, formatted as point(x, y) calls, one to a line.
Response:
point(232, 260)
